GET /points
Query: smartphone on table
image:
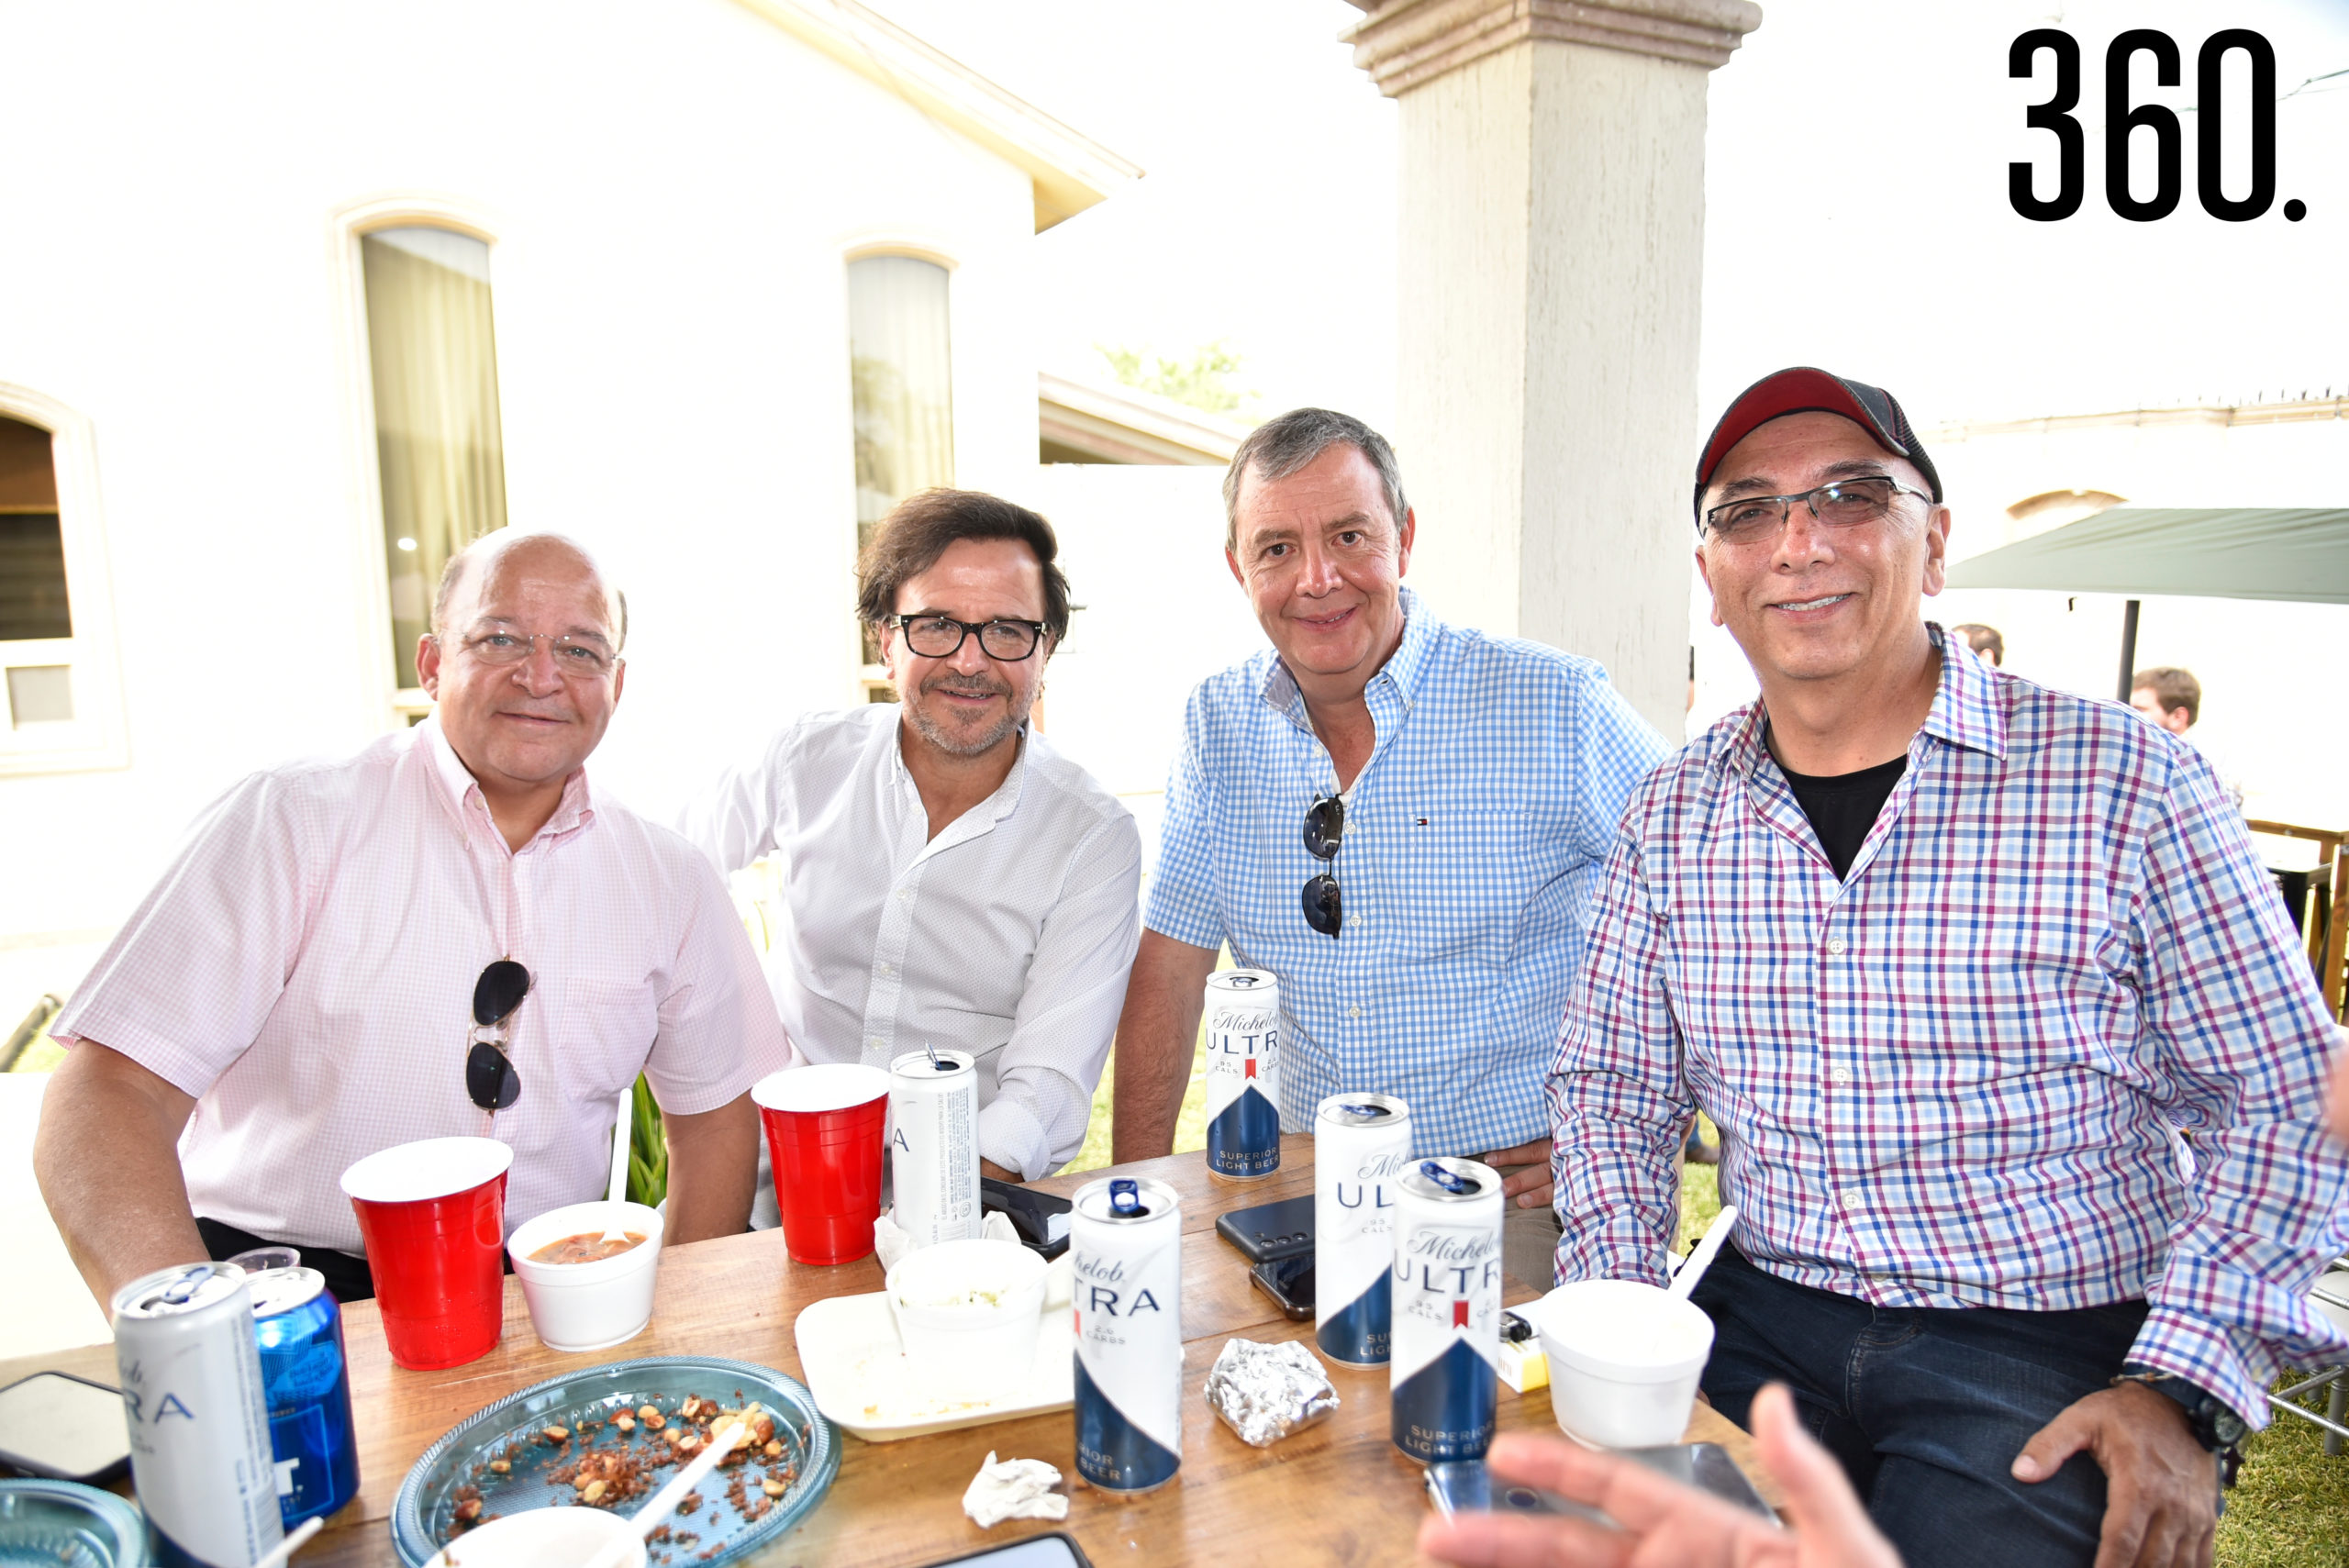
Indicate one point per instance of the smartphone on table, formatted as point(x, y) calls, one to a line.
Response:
point(1289, 1282)
point(1270, 1230)
point(1056, 1549)
point(65, 1427)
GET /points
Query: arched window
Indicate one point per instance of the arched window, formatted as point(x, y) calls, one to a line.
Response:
point(59, 699)
point(440, 444)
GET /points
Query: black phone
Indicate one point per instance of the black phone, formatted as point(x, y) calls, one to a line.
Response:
point(1055, 1548)
point(1283, 1229)
point(1289, 1282)
point(65, 1427)
point(1041, 1218)
point(1465, 1486)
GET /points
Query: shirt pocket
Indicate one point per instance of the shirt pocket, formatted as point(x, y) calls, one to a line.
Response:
point(1459, 882)
point(600, 1032)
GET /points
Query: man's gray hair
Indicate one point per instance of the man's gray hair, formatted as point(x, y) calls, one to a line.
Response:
point(1278, 447)
point(496, 542)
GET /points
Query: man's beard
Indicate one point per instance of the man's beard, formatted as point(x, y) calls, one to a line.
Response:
point(933, 733)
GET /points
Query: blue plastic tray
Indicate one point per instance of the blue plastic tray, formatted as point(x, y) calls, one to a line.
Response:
point(424, 1516)
point(62, 1524)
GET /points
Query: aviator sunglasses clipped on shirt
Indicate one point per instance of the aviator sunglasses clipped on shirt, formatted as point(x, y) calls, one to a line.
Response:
point(491, 1081)
point(1325, 826)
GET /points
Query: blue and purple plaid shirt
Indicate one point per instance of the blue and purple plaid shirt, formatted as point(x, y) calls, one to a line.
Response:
point(1951, 1080)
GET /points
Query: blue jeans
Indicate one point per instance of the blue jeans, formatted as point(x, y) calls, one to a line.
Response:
point(1926, 1407)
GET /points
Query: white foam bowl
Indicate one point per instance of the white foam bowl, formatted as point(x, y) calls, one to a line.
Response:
point(959, 1349)
point(542, 1538)
point(1624, 1361)
point(589, 1306)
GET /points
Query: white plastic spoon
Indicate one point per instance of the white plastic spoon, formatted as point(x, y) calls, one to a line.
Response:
point(292, 1544)
point(665, 1502)
point(617, 1191)
point(1693, 1267)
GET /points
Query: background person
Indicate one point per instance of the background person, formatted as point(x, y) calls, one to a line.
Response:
point(1481, 778)
point(1930, 945)
point(948, 878)
point(1984, 641)
point(2171, 699)
point(297, 992)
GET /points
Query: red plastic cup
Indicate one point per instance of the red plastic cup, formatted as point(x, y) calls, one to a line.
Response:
point(432, 1218)
point(825, 1127)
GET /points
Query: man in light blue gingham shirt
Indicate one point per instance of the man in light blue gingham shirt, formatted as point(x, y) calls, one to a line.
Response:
point(1482, 779)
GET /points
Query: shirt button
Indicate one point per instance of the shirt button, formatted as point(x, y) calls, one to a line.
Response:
point(1354, 1012)
point(1839, 1077)
point(1835, 946)
point(884, 969)
point(875, 1043)
point(904, 893)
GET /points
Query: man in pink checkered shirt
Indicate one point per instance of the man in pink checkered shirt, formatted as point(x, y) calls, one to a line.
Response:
point(2018, 1066)
point(302, 988)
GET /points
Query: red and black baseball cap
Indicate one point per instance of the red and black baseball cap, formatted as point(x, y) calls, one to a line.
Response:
point(1806, 390)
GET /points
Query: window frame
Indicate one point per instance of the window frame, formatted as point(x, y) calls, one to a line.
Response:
point(96, 737)
point(392, 703)
point(872, 681)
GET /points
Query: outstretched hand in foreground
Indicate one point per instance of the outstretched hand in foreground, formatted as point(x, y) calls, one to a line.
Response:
point(1666, 1525)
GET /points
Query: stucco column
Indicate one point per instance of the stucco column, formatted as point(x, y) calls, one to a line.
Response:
point(1551, 275)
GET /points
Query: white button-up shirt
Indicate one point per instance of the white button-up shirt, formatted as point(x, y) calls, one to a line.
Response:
point(306, 970)
point(1008, 936)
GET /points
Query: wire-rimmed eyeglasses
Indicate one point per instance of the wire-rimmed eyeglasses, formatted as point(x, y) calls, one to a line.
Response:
point(941, 637)
point(1325, 826)
point(1845, 504)
point(579, 658)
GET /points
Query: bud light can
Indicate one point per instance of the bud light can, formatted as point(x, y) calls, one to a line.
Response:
point(199, 1429)
point(1360, 1144)
point(305, 1377)
point(934, 1145)
point(1447, 1339)
point(1126, 1238)
point(1244, 1076)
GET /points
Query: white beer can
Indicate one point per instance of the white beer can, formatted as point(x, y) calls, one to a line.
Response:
point(1243, 1074)
point(934, 1145)
point(199, 1419)
point(1360, 1144)
point(1447, 1308)
point(1127, 1238)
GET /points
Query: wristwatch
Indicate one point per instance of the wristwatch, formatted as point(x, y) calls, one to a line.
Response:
point(2213, 1423)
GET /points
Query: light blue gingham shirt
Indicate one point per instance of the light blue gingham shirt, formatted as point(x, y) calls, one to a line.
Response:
point(1475, 838)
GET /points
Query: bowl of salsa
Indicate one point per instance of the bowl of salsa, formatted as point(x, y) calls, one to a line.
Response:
point(586, 1292)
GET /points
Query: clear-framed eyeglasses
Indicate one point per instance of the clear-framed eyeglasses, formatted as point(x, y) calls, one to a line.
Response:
point(940, 637)
point(581, 658)
point(1846, 504)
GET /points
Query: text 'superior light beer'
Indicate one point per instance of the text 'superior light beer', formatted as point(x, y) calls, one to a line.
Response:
point(199, 1422)
point(1126, 1238)
point(1447, 1308)
point(1244, 1076)
point(1360, 1145)
point(934, 1145)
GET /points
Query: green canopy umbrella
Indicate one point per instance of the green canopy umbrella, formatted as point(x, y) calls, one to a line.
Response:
point(2298, 553)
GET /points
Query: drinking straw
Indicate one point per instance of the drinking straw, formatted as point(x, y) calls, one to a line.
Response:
point(617, 1190)
point(1693, 1267)
point(293, 1542)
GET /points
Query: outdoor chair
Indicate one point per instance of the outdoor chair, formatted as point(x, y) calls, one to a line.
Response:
point(2331, 1295)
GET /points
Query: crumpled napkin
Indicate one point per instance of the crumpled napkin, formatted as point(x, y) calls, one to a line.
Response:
point(890, 1242)
point(1015, 1489)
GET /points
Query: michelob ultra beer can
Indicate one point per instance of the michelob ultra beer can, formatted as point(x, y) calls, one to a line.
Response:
point(1243, 1100)
point(199, 1423)
point(1360, 1144)
point(306, 1378)
point(1127, 1237)
point(934, 1145)
point(1447, 1309)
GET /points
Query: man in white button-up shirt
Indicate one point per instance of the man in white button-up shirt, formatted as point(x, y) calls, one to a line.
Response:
point(948, 878)
point(297, 992)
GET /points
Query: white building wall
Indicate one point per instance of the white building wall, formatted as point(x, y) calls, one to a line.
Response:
point(671, 191)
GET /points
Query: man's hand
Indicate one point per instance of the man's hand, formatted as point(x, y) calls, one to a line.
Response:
point(1525, 1171)
point(1665, 1524)
point(2161, 1489)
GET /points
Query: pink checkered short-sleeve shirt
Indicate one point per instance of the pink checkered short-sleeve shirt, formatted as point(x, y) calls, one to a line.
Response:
point(306, 970)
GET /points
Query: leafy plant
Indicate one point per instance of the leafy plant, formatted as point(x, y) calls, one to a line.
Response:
point(647, 1152)
point(1202, 380)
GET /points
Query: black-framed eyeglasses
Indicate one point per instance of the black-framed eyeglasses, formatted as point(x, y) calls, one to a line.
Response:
point(491, 1081)
point(1846, 504)
point(578, 658)
point(1325, 828)
point(940, 637)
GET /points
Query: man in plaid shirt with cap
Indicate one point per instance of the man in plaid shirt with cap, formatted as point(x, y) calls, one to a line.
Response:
point(2019, 1067)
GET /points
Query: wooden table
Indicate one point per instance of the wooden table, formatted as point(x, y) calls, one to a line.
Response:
point(1338, 1492)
